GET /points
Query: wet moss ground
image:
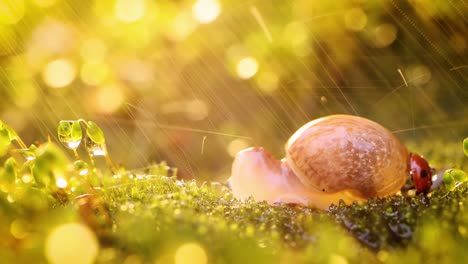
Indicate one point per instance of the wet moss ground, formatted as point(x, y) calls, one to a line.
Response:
point(150, 216)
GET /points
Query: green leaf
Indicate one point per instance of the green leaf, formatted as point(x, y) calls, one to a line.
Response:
point(64, 128)
point(76, 132)
point(465, 146)
point(95, 133)
point(454, 176)
point(11, 132)
point(459, 175)
point(32, 198)
point(70, 133)
point(4, 140)
point(9, 174)
point(50, 163)
point(81, 167)
point(29, 153)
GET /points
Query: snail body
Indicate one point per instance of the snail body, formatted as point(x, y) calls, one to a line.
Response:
point(331, 158)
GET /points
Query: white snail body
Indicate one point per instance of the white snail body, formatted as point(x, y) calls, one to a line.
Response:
point(331, 158)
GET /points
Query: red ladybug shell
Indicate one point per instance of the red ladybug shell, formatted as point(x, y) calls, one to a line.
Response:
point(421, 173)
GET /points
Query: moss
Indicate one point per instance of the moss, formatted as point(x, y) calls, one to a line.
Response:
point(148, 215)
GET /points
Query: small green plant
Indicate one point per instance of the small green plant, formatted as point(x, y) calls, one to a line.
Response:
point(71, 135)
point(8, 135)
point(465, 146)
point(454, 177)
point(47, 167)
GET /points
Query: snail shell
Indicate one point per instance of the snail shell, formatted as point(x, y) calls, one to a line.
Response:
point(342, 152)
point(331, 158)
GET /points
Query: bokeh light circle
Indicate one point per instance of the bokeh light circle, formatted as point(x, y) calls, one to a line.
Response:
point(109, 98)
point(129, 11)
point(190, 253)
point(72, 243)
point(59, 73)
point(355, 19)
point(385, 35)
point(206, 11)
point(247, 67)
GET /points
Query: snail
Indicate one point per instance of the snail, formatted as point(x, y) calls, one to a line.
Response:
point(331, 158)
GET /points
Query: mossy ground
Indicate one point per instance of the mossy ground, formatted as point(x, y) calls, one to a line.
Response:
point(149, 215)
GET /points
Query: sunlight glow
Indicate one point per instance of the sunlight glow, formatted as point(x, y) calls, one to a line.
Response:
point(355, 19)
point(71, 243)
point(11, 11)
point(206, 11)
point(129, 11)
point(190, 253)
point(247, 67)
point(59, 73)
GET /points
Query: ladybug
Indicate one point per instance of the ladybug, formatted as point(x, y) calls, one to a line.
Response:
point(420, 173)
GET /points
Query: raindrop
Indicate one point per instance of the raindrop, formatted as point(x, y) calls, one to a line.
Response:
point(81, 167)
point(70, 133)
point(29, 153)
point(61, 183)
point(95, 149)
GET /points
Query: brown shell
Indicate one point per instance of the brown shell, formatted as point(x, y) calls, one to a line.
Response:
point(344, 152)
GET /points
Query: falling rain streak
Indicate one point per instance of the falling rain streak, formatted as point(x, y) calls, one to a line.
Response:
point(193, 82)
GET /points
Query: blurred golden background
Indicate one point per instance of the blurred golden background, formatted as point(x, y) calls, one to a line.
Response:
point(192, 82)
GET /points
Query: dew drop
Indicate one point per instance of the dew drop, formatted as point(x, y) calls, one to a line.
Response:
point(95, 149)
point(81, 167)
point(61, 183)
point(70, 133)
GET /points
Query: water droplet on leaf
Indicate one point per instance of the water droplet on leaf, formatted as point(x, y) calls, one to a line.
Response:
point(70, 133)
point(95, 149)
point(453, 177)
point(81, 166)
